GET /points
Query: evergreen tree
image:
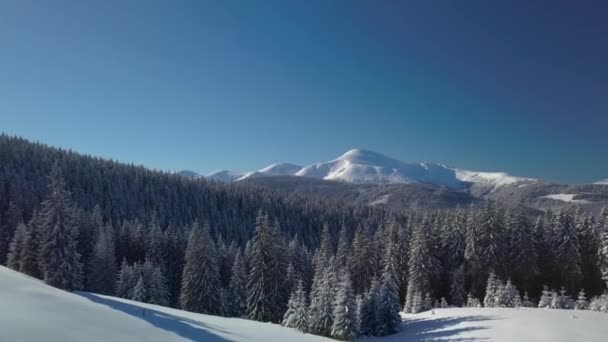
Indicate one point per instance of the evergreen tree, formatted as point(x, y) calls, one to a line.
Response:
point(423, 266)
point(140, 291)
point(297, 313)
point(360, 263)
point(368, 321)
point(102, 263)
point(566, 250)
point(175, 245)
point(581, 303)
point(603, 247)
point(545, 298)
point(322, 302)
point(265, 274)
point(345, 324)
point(457, 291)
point(58, 257)
point(522, 251)
point(200, 290)
point(31, 247)
point(16, 247)
point(237, 289)
point(493, 283)
point(387, 315)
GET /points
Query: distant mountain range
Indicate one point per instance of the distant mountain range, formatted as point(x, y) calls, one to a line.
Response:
point(373, 178)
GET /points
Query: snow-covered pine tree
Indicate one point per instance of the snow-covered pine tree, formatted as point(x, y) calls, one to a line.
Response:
point(511, 297)
point(423, 265)
point(345, 324)
point(457, 291)
point(264, 300)
point(603, 246)
point(102, 271)
point(522, 252)
point(126, 280)
point(140, 290)
point(342, 252)
point(581, 303)
point(492, 240)
point(492, 285)
point(367, 317)
point(387, 314)
point(155, 243)
point(237, 289)
point(200, 290)
point(31, 247)
point(427, 304)
point(13, 259)
point(300, 320)
point(360, 260)
point(565, 247)
point(545, 298)
point(526, 302)
point(417, 303)
point(156, 283)
point(58, 256)
point(321, 305)
point(175, 244)
point(444, 303)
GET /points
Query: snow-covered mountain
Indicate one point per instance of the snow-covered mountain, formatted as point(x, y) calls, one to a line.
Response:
point(281, 169)
point(602, 182)
point(362, 166)
point(189, 174)
point(225, 176)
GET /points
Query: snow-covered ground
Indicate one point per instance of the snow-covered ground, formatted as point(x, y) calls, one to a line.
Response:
point(31, 312)
point(503, 324)
point(565, 198)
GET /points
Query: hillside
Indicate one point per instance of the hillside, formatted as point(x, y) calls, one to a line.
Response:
point(32, 311)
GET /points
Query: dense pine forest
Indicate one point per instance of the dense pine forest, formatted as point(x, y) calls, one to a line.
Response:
point(323, 267)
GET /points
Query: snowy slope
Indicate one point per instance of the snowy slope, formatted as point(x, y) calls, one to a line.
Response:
point(565, 198)
point(602, 182)
point(33, 312)
point(282, 169)
point(189, 174)
point(503, 325)
point(225, 176)
point(363, 166)
point(368, 167)
point(493, 179)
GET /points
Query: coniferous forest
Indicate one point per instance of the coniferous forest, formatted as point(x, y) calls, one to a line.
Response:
point(322, 267)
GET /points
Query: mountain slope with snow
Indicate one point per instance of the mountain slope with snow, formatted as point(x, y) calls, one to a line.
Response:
point(31, 311)
point(34, 312)
point(602, 182)
point(225, 176)
point(362, 166)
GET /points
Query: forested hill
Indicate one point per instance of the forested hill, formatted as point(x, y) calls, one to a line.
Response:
point(125, 191)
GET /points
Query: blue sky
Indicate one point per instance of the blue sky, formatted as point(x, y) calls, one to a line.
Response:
point(517, 86)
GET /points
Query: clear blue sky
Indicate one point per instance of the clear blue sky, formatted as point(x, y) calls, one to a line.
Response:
point(516, 86)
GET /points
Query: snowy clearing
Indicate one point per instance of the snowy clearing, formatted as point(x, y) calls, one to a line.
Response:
point(504, 324)
point(565, 198)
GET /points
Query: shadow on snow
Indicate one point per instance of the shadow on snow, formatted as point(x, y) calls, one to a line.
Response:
point(184, 327)
point(438, 329)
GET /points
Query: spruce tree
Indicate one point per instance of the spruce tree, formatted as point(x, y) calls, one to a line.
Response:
point(345, 326)
point(15, 248)
point(102, 263)
point(31, 247)
point(522, 251)
point(300, 319)
point(566, 250)
point(423, 266)
point(603, 247)
point(237, 289)
point(322, 302)
point(58, 257)
point(387, 315)
point(367, 320)
point(492, 285)
point(200, 290)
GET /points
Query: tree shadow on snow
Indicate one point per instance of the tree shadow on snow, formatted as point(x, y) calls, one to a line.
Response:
point(439, 329)
point(187, 328)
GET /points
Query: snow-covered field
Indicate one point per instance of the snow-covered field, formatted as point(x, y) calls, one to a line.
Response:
point(31, 312)
point(504, 324)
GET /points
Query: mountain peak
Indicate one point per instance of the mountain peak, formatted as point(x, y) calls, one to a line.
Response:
point(367, 157)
